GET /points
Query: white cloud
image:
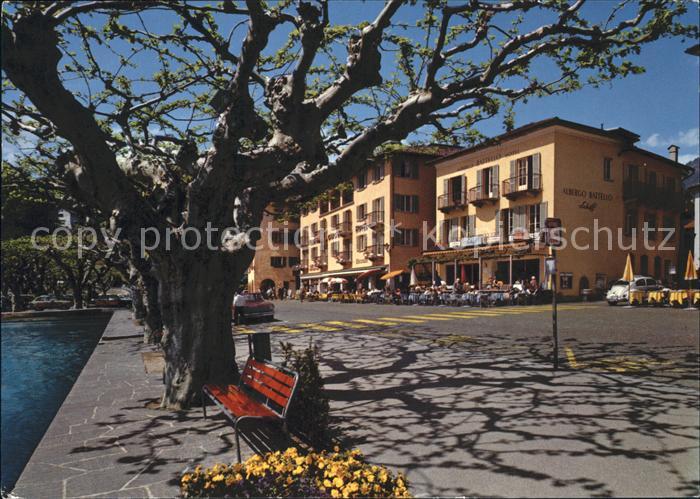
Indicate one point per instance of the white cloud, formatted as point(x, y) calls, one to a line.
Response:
point(686, 158)
point(688, 138)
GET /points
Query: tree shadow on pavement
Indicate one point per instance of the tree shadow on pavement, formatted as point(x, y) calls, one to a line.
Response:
point(489, 416)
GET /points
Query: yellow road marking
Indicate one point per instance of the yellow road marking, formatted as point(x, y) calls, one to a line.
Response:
point(444, 316)
point(403, 319)
point(376, 323)
point(317, 327)
point(429, 317)
point(571, 358)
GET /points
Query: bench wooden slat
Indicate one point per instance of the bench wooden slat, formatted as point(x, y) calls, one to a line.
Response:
point(272, 372)
point(267, 392)
point(266, 380)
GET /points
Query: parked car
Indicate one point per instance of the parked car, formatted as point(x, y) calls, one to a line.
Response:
point(45, 302)
point(619, 290)
point(252, 306)
point(111, 301)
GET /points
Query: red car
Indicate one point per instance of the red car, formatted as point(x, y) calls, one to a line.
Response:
point(252, 306)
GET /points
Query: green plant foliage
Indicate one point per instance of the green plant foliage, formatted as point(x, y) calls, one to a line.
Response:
point(309, 413)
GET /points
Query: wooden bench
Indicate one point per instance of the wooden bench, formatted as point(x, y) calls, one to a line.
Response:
point(264, 392)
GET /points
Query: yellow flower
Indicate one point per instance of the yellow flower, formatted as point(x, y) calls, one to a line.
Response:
point(327, 483)
point(382, 476)
point(337, 482)
point(298, 470)
point(336, 449)
point(218, 478)
point(335, 493)
point(370, 478)
point(186, 478)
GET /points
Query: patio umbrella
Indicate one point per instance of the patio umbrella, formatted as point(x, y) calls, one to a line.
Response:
point(690, 275)
point(338, 280)
point(628, 275)
point(414, 278)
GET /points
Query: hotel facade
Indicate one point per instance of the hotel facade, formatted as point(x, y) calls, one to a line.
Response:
point(373, 227)
point(612, 198)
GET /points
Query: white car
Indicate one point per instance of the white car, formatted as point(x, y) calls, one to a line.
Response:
point(619, 290)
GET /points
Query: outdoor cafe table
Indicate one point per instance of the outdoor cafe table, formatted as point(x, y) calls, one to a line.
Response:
point(636, 297)
point(655, 297)
point(677, 297)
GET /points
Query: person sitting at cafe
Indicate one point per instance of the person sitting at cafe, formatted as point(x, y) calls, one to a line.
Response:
point(533, 290)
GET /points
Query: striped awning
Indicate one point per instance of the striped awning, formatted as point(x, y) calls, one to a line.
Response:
point(391, 274)
point(369, 273)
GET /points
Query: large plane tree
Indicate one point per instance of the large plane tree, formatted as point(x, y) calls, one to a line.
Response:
point(186, 115)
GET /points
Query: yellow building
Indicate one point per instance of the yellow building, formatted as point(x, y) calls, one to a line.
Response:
point(276, 261)
point(376, 227)
point(494, 198)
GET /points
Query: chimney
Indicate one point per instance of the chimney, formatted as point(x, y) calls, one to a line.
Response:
point(673, 153)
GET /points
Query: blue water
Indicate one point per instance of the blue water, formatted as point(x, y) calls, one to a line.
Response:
point(41, 360)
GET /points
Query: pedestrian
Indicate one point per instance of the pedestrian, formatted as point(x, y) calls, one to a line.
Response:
point(238, 302)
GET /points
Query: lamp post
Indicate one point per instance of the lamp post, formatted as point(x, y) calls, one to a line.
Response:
point(552, 227)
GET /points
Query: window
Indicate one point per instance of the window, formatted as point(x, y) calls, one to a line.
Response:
point(335, 200)
point(347, 196)
point(607, 169)
point(378, 172)
point(361, 212)
point(657, 267)
point(407, 203)
point(277, 261)
point(522, 169)
point(406, 237)
point(314, 229)
point(650, 225)
point(362, 180)
point(534, 218)
point(601, 281)
point(633, 172)
point(293, 260)
point(407, 169)
point(630, 221)
point(378, 204)
point(323, 206)
point(335, 248)
point(566, 280)
point(651, 179)
point(644, 265)
point(277, 236)
point(361, 242)
point(334, 220)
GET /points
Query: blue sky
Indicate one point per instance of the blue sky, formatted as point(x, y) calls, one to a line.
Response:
point(662, 105)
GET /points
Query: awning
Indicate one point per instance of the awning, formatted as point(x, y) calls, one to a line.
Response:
point(341, 273)
point(391, 274)
point(369, 273)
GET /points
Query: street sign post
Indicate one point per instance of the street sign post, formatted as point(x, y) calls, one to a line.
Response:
point(552, 229)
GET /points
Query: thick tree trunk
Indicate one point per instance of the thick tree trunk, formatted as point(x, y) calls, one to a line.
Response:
point(77, 296)
point(196, 292)
point(153, 324)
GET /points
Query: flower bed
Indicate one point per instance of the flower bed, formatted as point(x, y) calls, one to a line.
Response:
point(290, 474)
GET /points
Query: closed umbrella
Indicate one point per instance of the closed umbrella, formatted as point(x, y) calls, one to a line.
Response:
point(414, 277)
point(628, 276)
point(690, 275)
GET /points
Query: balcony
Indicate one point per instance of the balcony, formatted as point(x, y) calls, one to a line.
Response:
point(343, 257)
point(342, 229)
point(320, 261)
point(651, 195)
point(375, 252)
point(479, 196)
point(515, 187)
point(375, 219)
point(304, 240)
point(452, 201)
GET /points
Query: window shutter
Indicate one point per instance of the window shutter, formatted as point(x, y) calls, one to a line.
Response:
point(512, 179)
point(478, 182)
point(543, 214)
point(536, 170)
point(464, 183)
point(471, 225)
point(497, 219)
point(494, 181)
point(445, 186)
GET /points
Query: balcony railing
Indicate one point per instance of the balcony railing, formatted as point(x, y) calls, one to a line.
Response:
point(304, 241)
point(320, 260)
point(522, 185)
point(651, 195)
point(452, 200)
point(341, 229)
point(375, 218)
point(343, 257)
point(375, 252)
point(482, 194)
